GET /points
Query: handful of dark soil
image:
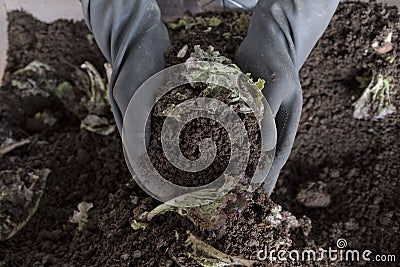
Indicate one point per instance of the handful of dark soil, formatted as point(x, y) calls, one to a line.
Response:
point(202, 128)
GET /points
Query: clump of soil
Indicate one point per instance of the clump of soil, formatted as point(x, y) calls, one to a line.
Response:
point(356, 160)
point(193, 132)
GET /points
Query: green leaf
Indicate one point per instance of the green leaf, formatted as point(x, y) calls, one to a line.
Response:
point(376, 102)
point(81, 216)
point(177, 25)
point(260, 84)
point(20, 84)
point(138, 225)
point(215, 22)
point(63, 89)
point(35, 66)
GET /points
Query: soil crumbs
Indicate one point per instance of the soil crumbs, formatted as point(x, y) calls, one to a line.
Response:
point(342, 174)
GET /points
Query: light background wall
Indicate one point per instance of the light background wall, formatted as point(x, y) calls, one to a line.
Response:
point(50, 10)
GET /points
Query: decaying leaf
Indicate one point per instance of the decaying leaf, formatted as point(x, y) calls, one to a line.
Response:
point(215, 210)
point(211, 55)
point(223, 83)
point(208, 256)
point(20, 194)
point(10, 145)
point(81, 216)
point(63, 90)
point(90, 38)
point(214, 22)
point(138, 225)
point(99, 125)
point(98, 105)
point(242, 25)
point(377, 100)
point(177, 25)
point(182, 52)
point(260, 83)
point(97, 92)
point(37, 78)
point(36, 67)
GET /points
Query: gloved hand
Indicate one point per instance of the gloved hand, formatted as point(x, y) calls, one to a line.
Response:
point(133, 39)
point(282, 34)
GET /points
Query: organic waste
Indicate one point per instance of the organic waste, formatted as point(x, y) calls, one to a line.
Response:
point(341, 180)
point(81, 216)
point(20, 194)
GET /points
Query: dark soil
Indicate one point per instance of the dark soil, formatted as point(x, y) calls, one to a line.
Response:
point(356, 160)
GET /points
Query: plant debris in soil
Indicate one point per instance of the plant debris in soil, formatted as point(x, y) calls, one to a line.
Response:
point(356, 161)
point(202, 128)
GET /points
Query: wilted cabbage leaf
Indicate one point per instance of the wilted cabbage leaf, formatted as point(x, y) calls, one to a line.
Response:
point(138, 225)
point(20, 194)
point(177, 25)
point(211, 216)
point(96, 124)
point(223, 83)
point(81, 216)
point(377, 100)
point(37, 78)
point(98, 105)
point(98, 92)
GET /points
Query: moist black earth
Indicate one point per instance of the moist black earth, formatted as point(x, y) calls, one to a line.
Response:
point(353, 164)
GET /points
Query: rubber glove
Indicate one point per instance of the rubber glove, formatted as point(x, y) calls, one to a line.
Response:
point(133, 39)
point(281, 35)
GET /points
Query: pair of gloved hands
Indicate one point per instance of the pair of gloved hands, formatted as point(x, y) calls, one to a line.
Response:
point(282, 34)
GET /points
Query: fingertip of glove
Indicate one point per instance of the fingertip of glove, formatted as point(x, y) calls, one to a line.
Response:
point(270, 182)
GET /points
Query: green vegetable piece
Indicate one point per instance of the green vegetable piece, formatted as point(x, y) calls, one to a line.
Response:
point(377, 100)
point(177, 25)
point(215, 22)
point(20, 85)
point(35, 66)
point(63, 89)
point(260, 84)
point(81, 216)
point(138, 225)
